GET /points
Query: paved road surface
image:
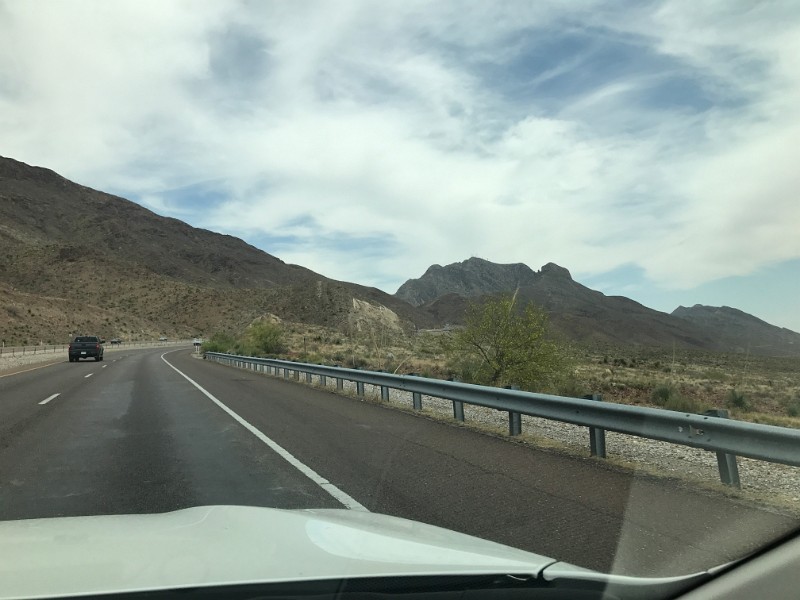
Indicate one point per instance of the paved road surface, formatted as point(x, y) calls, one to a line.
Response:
point(132, 434)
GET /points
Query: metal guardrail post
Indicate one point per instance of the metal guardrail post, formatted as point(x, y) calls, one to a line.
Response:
point(458, 405)
point(297, 374)
point(360, 388)
point(285, 373)
point(308, 377)
point(728, 467)
point(384, 393)
point(416, 397)
point(323, 381)
point(597, 436)
point(514, 418)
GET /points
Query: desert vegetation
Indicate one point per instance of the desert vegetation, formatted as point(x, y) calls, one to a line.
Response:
point(754, 388)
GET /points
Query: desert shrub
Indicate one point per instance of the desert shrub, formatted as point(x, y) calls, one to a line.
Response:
point(503, 343)
point(681, 403)
point(570, 386)
point(662, 393)
point(793, 407)
point(736, 399)
point(261, 339)
point(219, 342)
point(670, 398)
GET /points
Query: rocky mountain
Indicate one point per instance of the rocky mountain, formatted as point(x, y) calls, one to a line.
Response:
point(581, 314)
point(77, 259)
point(473, 277)
point(740, 329)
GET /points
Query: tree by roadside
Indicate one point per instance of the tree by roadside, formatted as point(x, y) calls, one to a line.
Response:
point(507, 344)
point(261, 338)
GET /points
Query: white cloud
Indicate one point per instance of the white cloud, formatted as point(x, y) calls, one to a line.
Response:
point(446, 130)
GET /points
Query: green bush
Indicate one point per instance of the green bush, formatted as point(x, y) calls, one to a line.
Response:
point(662, 393)
point(736, 399)
point(683, 404)
point(570, 387)
point(793, 407)
point(261, 339)
point(505, 343)
point(219, 342)
point(670, 398)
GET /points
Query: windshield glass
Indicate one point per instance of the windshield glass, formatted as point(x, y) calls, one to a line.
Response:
point(554, 245)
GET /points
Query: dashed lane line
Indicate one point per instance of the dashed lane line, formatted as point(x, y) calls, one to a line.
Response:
point(53, 397)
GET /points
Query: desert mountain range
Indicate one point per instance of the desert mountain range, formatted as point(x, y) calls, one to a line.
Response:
point(76, 259)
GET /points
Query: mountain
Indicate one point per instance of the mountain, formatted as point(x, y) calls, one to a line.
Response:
point(77, 259)
point(473, 277)
point(741, 330)
point(581, 314)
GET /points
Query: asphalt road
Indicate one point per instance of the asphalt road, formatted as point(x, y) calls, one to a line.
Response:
point(133, 434)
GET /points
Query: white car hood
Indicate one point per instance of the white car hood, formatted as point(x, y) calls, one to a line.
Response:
point(214, 545)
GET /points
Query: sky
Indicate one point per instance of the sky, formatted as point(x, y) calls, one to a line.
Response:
point(648, 147)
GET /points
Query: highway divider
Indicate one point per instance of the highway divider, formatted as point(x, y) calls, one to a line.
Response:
point(713, 432)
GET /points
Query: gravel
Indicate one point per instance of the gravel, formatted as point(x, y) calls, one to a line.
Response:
point(14, 361)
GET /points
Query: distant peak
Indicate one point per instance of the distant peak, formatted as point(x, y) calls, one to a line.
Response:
point(553, 270)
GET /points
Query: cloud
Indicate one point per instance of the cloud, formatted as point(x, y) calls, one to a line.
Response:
point(594, 135)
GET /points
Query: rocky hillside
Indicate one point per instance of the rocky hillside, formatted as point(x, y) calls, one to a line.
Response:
point(470, 278)
point(740, 329)
point(77, 259)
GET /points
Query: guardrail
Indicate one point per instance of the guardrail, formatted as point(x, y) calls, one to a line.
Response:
point(727, 437)
point(55, 348)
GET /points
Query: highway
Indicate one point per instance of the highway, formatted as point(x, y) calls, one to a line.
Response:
point(157, 430)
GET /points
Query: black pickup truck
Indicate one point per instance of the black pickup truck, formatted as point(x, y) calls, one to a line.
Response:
point(86, 346)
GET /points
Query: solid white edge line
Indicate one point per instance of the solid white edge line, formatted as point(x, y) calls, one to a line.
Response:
point(46, 400)
point(347, 500)
point(87, 376)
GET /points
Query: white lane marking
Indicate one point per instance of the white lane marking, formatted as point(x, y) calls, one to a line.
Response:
point(46, 400)
point(104, 366)
point(347, 500)
point(87, 376)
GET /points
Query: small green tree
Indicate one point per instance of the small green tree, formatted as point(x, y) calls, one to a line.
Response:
point(262, 338)
point(504, 344)
point(219, 342)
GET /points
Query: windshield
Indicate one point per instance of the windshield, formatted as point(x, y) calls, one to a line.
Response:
point(517, 202)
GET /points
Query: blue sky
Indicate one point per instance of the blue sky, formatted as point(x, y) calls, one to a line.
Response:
point(650, 147)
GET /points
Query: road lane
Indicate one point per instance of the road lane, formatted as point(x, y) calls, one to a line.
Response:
point(136, 438)
point(578, 510)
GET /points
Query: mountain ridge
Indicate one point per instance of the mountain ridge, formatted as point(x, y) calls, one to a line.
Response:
point(78, 259)
point(147, 273)
point(581, 314)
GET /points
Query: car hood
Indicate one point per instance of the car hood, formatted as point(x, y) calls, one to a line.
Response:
point(216, 545)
